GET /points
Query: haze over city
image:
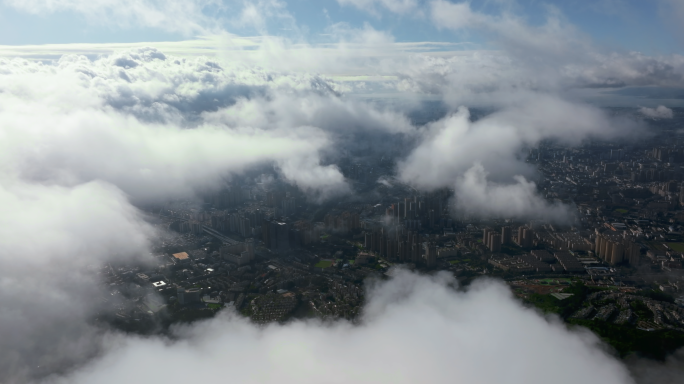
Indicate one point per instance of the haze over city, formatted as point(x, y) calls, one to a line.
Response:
point(343, 191)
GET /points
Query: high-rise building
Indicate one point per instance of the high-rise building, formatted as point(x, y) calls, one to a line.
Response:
point(368, 240)
point(485, 237)
point(634, 253)
point(495, 242)
point(617, 253)
point(188, 296)
point(403, 254)
point(391, 249)
point(616, 248)
point(431, 255)
point(525, 236)
point(505, 235)
point(283, 236)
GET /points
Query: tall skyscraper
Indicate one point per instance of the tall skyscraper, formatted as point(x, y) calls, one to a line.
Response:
point(505, 235)
point(495, 242)
point(431, 255)
point(485, 237)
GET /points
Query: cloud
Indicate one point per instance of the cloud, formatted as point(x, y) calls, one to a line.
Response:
point(396, 6)
point(81, 139)
point(485, 158)
point(163, 127)
point(414, 329)
point(186, 17)
point(518, 58)
point(553, 40)
point(54, 241)
point(453, 144)
point(661, 112)
point(478, 197)
point(454, 16)
point(668, 372)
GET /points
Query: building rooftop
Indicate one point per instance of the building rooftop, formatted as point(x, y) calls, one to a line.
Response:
point(181, 256)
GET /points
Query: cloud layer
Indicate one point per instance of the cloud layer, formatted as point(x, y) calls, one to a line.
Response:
point(485, 158)
point(82, 139)
point(54, 240)
point(415, 329)
point(185, 16)
point(161, 127)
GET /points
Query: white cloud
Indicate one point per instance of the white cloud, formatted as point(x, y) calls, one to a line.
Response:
point(160, 126)
point(453, 16)
point(476, 196)
point(49, 236)
point(451, 146)
point(554, 39)
point(181, 16)
point(661, 112)
point(415, 329)
point(396, 6)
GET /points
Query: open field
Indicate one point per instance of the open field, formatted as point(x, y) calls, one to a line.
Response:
point(324, 264)
point(678, 247)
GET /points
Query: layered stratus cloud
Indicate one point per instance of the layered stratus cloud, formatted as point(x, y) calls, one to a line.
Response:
point(414, 329)
point(53, 240)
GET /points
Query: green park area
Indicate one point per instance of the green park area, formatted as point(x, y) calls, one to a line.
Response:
point(621, 210)
point(324, 264)
point(677, 247)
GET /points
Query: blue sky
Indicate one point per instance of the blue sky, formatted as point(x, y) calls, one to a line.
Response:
point(621, 24)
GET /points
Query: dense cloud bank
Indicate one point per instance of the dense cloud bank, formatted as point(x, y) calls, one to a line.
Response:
point(53, 239)
point(414, 329)
point(165, 127)
point(161, 127)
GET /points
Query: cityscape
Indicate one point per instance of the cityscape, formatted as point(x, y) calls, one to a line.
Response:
point(259, 247)
point(341, 191)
